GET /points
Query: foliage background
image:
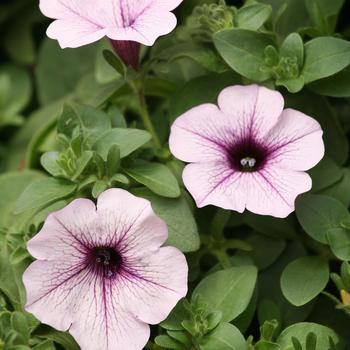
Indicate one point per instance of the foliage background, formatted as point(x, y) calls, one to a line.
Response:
point(253, 279)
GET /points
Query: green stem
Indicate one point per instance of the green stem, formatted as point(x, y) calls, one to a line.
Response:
point(224, 259)
point(145, 117)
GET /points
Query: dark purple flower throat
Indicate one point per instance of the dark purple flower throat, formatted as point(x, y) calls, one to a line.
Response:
point(247, 155)
point(105, 261)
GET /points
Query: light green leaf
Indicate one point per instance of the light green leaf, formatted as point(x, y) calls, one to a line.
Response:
point(301, 330)
point(303, 279)
point(318, 213)
point(324, 57)
point(225, 337)
point(252, 16)
point(91, 122)
point(157, 177)
point(43, 193)
point(128, 141)
point(243, 51)
point(339, 241)
point(228, 291)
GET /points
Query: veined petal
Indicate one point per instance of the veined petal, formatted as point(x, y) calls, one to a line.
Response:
point(74, 33)
point(104, 323)
point(62, 296)
point(67, 230)
point(145, 28)
point(154, 285)
point(215, 183)
point(253, 109)
point(53, 290)
point(273, 190)
point(80, 23)
point(137, 229)
point(201, 134)
point(296, 141)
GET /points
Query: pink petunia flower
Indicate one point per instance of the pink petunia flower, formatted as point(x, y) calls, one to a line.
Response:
point(102, 274)
point(127, 23)
point(247, 152)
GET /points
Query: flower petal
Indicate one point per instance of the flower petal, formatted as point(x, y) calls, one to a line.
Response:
point(273, 191)
point(296, 141)
point(137, 229)
point(253, 109)
point(67, 230)
point(215, 183)
point(103, 323)
point(146, 28)
point(201, 134)
point(155, 285)
point(71, 298)
point(53, 289)
point(74, 33)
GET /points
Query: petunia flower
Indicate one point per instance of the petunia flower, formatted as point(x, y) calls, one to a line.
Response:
point(102, 274)
point(127, 23)
point(247, 152)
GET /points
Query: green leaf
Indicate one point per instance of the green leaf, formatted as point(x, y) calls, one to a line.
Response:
point(61, 338)
point(243, 51)
point(45, 345)
point(157, 177)
point(15, 90)
point(340, 190)
point(252, 16)
point(324, 57)
point(325, 174)
point(43, 193)
point(301, 330)
point(128, 141)
point(228, 291)
point(339, 241)
point(91, 122)
point(113, 161)
point(115, 62)
point(337, 85)
point(293, 46)
point(63, 67)
point(49, 162)
point(183, 232)
point(11, 193)
point(168, 343)
point(20, 325)
point(177, 315)
point(303, 279)
point(225, 337)
point(98, 188)
point(11, 279)
point(318, 213)
point(323, 14)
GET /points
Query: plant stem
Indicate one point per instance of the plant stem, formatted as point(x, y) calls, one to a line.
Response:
point(145, 117)
point(224, 259)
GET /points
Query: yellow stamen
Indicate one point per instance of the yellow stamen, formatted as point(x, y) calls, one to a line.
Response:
point(345, 297)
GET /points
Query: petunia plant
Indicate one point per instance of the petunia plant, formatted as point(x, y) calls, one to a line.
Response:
point(174, 175)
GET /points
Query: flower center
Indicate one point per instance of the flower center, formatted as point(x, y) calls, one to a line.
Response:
point(247, 155)
point(106, 261)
